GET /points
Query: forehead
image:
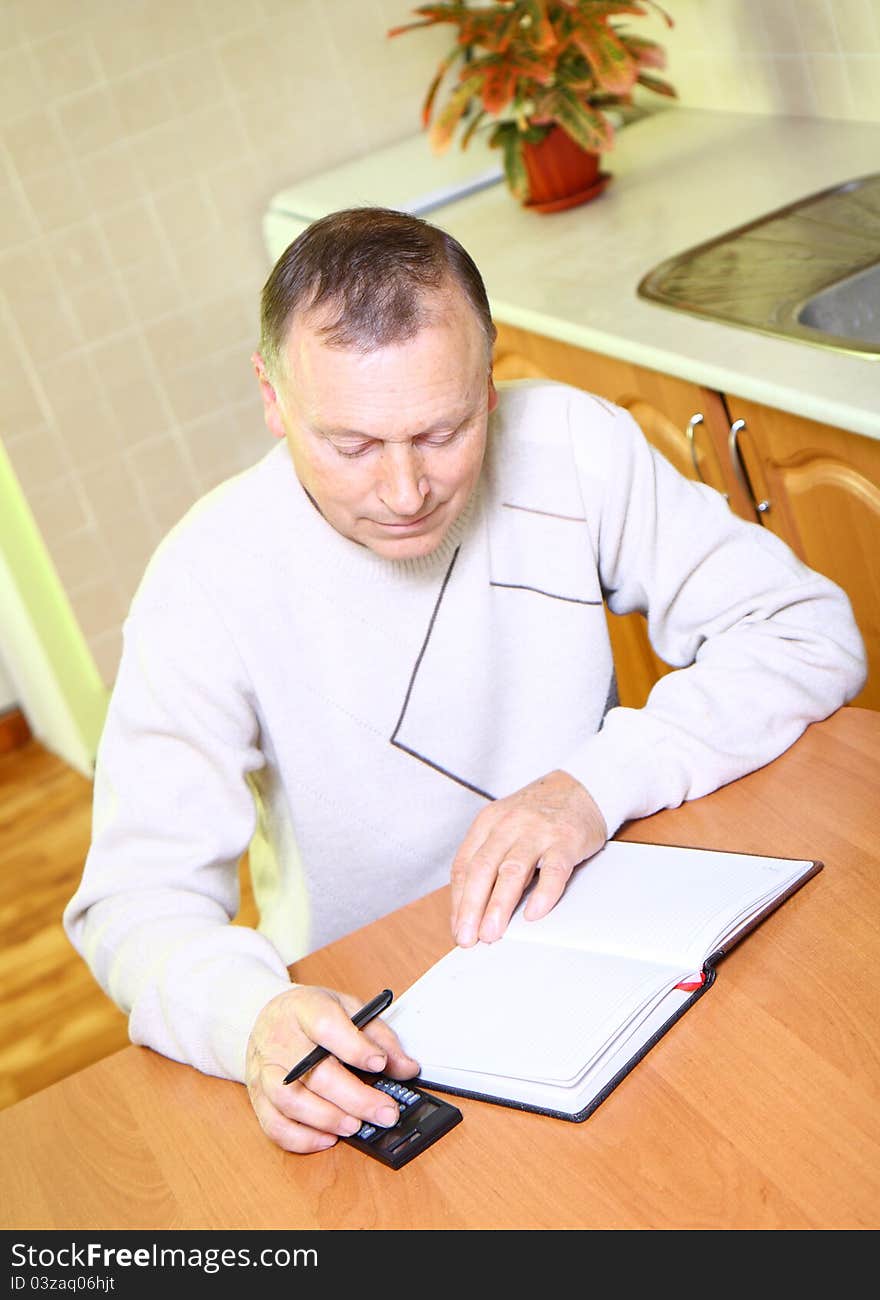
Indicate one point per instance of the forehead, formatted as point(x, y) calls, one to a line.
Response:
point(436, 375)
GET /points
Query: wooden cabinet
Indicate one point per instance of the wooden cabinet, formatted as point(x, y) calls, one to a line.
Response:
point(817, 487)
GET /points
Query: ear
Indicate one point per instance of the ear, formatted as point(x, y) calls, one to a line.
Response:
point(271, 409)
point(493, 394)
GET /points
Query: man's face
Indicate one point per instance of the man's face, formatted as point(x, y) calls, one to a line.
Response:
point(389, 444)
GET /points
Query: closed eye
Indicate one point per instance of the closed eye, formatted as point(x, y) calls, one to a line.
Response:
point(423, 440)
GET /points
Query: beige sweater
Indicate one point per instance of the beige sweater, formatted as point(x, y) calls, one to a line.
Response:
point(347, 716)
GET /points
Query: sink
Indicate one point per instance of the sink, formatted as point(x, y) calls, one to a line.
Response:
point(808, 272)
point(849, 309)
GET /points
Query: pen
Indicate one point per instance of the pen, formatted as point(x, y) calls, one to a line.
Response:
point(360, 1018)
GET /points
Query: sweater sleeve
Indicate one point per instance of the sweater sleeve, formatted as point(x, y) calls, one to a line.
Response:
point(763, 646)
point(172, 815)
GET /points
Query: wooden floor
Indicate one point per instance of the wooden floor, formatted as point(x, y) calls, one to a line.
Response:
point(54, 1019)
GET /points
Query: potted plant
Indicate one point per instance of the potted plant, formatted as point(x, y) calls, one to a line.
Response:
point(545, 71)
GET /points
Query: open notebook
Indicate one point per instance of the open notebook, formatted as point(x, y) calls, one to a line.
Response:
point(555, 1013)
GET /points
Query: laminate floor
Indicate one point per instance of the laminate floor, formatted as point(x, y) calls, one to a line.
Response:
point(54, 1019)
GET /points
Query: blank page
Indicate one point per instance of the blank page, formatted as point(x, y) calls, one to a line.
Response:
point(658, 903)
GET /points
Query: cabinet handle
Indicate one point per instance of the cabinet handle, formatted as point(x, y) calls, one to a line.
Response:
point(733, 446)
point(690, 435)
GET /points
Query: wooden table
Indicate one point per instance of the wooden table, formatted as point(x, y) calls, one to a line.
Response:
point(758, 1110)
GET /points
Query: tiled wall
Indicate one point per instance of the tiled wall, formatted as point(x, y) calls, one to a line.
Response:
point(803, 57)
point(142, 140)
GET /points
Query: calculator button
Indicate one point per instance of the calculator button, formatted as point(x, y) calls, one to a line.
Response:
point(366, 1130)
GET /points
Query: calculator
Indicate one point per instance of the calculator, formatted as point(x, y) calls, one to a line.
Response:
point(423, 1119)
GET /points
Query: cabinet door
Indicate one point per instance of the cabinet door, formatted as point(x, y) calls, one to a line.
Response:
point(819, 490)
point(686, 423)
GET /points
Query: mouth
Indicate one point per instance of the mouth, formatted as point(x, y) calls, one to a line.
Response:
point(410, 523)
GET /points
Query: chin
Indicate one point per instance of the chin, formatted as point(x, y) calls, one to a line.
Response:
point(407, 548)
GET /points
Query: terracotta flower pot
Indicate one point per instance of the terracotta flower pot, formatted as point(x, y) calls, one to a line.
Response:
point(561, 174)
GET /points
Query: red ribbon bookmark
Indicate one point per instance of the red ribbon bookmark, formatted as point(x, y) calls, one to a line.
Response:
point(695, 982)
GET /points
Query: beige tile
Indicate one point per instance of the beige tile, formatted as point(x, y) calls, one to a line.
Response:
point(160, 468)
point(106, 651)
point(78, 253)
point(224, 16)
point(858, 26)
point(128, 37)
point(796, 90)
point(57, 198)
point(194, 83)
point(20, 90)
point(190, 390)
point(21, 406)
point(253, 58)
point(87, 431)
point(41, 18)
point(36, 456)
point(221, 261)
point(26, 270)
point(782, 24)
point(57, 507)
point(109, 177)
point(18, 224)
point(99, 605)
point(173, 342)
point(153, 289)
point(863, 74)
point(132, 233)
point(66, 64)
point(169, 508)
point(139, 410)
point(119, 360)
point(222, 443)
point(80, 558)
point(828, 74)
point(100, 308)
point(234, 192)
point(214, 136)
point(143, 100)
point(162, 156)
point(88, 121)
point(818, 31)
point(46, 323)
point(185, 213)
point(35, 143)
point(65, 379)
point(110, 490)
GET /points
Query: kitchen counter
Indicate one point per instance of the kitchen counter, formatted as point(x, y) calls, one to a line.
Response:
point(680, 176)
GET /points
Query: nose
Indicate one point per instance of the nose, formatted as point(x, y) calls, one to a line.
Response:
point(404, 488)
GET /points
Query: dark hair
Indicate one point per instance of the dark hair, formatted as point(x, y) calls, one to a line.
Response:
point(377, 268)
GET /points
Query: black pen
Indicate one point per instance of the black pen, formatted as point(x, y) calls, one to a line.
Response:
point(360, 1018)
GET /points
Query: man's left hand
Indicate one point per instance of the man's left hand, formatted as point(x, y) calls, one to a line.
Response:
point(549, 826)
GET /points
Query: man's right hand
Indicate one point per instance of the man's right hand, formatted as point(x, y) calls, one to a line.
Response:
point(329, 1101)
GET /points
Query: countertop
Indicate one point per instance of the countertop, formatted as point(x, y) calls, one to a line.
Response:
point(679, 177)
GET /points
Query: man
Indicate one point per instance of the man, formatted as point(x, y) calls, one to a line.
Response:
point(379, 658)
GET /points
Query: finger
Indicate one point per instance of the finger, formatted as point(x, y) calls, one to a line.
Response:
point(336, 1084)
point(287, 1133)
point(326, 1020)
point(398, 1063)
point(514, 874)
point(472, 843)
point(479, 882)
point(324, 1109)
point(554, 874)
